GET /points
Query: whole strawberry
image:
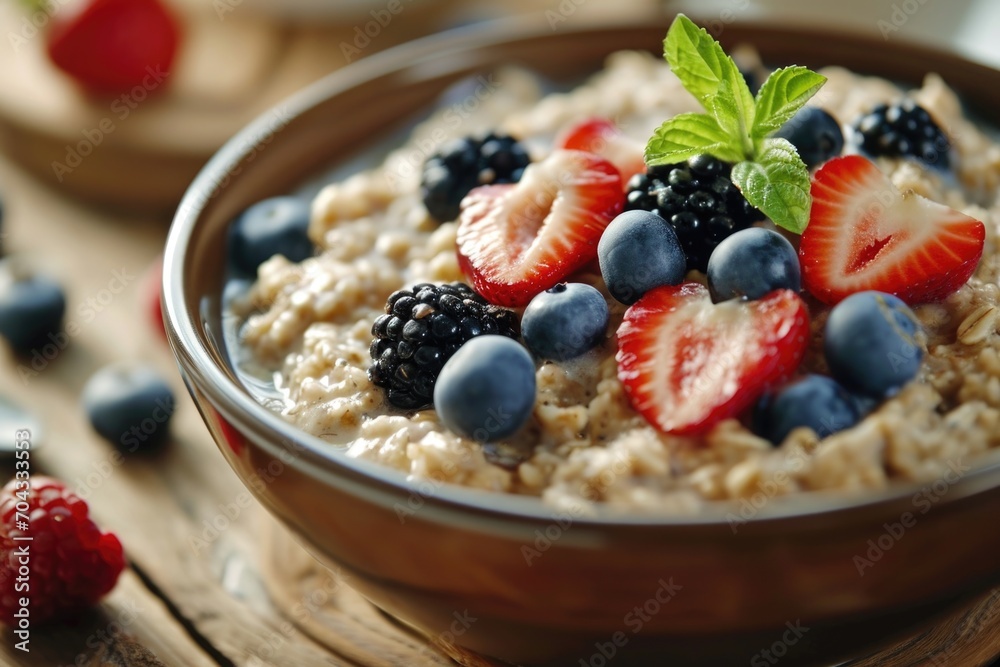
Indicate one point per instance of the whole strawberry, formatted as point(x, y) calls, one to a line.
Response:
point(70, 564)
point(114, 46)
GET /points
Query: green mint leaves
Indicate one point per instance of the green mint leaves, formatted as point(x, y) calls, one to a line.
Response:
point(737, 126)
point(777, 182)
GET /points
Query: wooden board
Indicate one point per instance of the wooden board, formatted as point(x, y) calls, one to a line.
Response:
point(208, 585)
point(139, 151)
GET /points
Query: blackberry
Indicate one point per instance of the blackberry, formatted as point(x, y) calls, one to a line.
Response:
point(698, 199)
point(903, 130)
point(464, 164)
point(420, 330)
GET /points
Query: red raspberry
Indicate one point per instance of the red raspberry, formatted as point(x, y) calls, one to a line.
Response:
point(71, 563)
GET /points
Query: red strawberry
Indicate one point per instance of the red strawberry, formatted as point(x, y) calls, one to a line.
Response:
point(687, 363)
point(864, 234)
point(112, 46)
point(602, 137)
point(151, 292)
point(516, 240)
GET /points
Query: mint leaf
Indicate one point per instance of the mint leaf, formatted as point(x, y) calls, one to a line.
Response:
point(777, 183)
point(786, 91)
point(711, 76)
point(690, 134)
point(737, 126)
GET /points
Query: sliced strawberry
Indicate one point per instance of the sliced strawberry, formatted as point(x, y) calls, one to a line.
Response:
point(602, 137)
point(864, 234)
point(112, 46)
point(687, 363)
point(516, 240)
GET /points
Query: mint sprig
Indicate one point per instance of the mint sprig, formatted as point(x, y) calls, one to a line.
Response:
point(737, 126)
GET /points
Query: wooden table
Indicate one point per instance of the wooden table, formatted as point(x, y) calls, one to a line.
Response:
point(209, 583)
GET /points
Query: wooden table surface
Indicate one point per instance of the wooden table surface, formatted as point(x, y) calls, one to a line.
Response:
point(210, 583)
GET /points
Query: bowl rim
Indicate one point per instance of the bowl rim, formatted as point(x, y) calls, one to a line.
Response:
point(385, 485)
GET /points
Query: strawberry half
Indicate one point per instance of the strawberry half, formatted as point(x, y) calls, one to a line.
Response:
point(602, 137)
point(516, 240)
point(864, 234)
point(112, 46)
point(687, 363)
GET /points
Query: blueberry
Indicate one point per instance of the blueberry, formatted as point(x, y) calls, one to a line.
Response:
point(870, 343)
point(31, 308)
point(815, 401)
point(276, 226)
point(565, 321)
point(486, 391)
point(129, 405)
point(815, 134)
point(637, 252)
point(752, 263)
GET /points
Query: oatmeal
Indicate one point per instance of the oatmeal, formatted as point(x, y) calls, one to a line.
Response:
point(312, 322)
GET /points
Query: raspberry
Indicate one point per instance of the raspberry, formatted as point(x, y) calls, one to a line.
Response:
point(421, 329)
point(464, 164)
point(696, 198)
point(903, 130)
point(71, 563)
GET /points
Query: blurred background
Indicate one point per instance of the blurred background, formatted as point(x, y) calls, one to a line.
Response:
point(95, 152)
point(234, 59)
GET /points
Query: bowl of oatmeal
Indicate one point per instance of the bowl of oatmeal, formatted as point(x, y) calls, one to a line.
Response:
point(590, 534)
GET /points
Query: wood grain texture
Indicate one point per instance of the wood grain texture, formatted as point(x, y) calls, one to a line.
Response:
point(132, 628)
point(969, 637)
point(156, 505)
point(214, 580)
